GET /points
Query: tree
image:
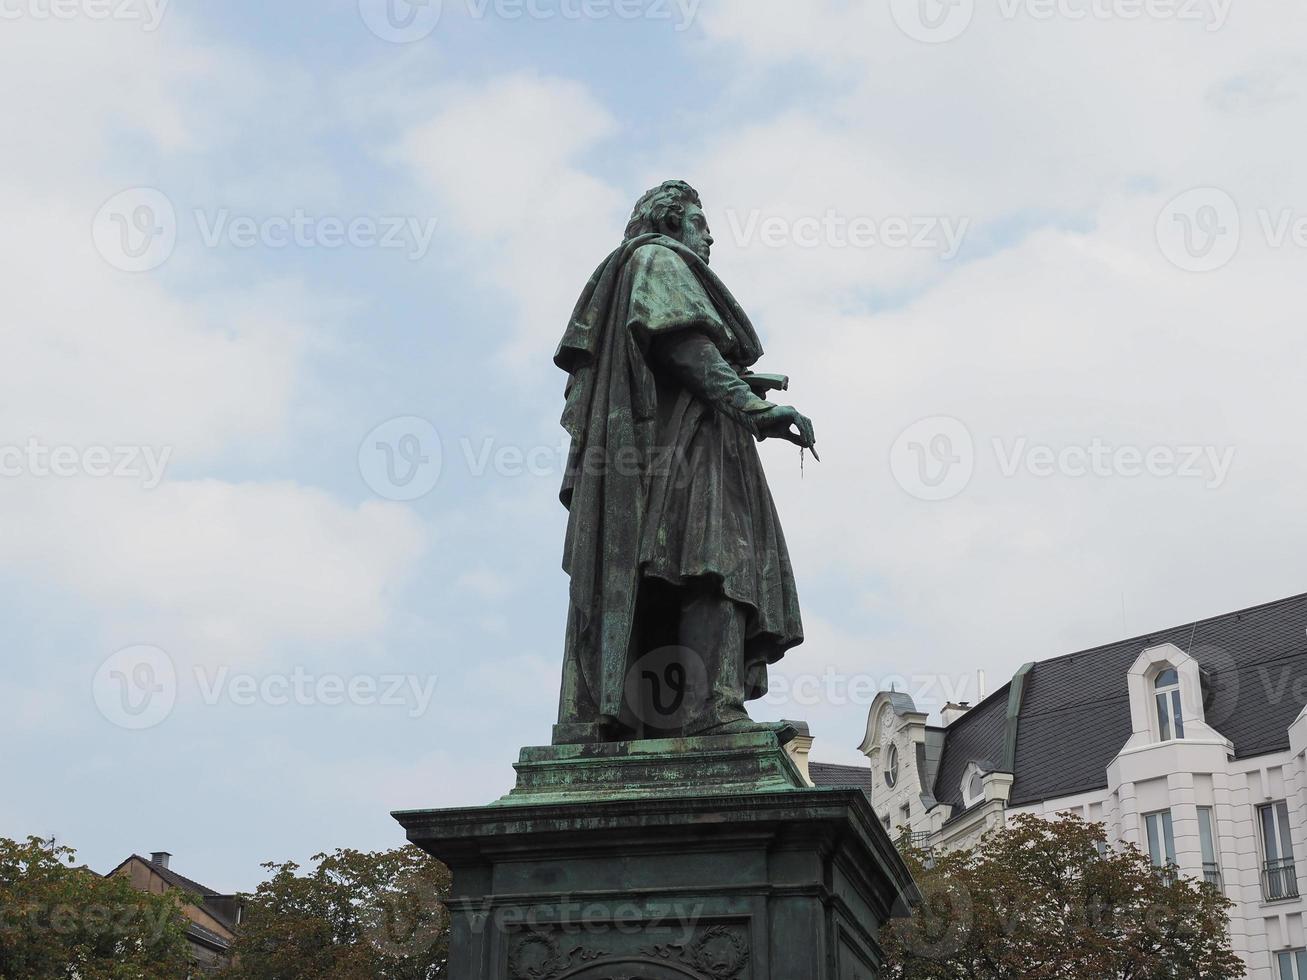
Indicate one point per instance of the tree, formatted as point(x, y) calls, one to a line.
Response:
point(1045, 900)
point(59, 920)
point(356, 915)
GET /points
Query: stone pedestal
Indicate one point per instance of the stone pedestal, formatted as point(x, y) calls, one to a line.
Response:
point(692, 859)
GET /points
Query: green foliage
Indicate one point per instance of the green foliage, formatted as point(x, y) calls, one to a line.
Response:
point(356, 915)
point(1046, 900)
point(57, 920)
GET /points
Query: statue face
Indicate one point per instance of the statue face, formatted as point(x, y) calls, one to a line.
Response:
point(694, 233)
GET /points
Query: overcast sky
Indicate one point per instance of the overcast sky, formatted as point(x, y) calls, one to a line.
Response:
point(279, 533)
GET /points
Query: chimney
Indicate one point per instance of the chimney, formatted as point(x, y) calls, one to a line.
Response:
point(799, 747)
point(952, 712)
point(160, 858)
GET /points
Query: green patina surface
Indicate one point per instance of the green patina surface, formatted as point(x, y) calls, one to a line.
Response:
point(682, 593)
point(727, 765)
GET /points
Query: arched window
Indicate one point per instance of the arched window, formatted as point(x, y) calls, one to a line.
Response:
point(1170, 717)
point(975, 790)
point(892, 766)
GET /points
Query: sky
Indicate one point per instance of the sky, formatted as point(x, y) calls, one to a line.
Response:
point(279, 442)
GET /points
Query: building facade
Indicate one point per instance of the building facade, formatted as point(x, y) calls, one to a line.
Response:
point(1190, 743)
point(212, 916)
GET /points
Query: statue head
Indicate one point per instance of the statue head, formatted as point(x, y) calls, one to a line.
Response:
point(673, 209)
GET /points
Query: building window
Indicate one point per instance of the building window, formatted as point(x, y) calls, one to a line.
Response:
point(1161, 840)
point(974, 789)
point(1170, 719)
point(1279, 870)
point(1293, 964)
point(892, 766)
point(1207, 841)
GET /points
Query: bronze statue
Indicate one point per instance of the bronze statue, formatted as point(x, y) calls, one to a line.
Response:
point(681, 592)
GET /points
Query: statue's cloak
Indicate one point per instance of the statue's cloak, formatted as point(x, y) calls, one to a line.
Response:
point(658, 483)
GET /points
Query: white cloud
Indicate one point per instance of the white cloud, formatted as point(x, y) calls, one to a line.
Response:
point(1063, 340)
point(229, 568)
point(80, 84)
point(502, 161)
point(116, 358)
point(485, 583)
point(99, 357)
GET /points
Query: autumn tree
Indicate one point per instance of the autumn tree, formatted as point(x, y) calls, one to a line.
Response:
point(354, 916)
point(1045, 900)
point(58, 920)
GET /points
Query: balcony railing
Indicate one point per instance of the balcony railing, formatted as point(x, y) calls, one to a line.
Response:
point(1280, 880)
point(1212, 874)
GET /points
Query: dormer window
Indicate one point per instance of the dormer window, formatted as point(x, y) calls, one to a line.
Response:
point(892, 766)
point(1170, 717)
point(973, 786)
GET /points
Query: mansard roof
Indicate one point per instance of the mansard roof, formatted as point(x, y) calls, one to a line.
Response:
point(1057, 726)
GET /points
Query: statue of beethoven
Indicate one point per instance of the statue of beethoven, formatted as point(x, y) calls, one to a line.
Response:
point(681, 590)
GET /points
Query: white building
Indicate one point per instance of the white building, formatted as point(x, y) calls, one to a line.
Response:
point(1190, 743)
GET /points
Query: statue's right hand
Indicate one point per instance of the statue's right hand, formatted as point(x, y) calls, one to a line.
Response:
point(786, 422)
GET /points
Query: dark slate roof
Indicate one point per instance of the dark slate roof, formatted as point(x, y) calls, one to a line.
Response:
point(975, 737)
point(829, 774)
point(902, 702)
point(1075, 713)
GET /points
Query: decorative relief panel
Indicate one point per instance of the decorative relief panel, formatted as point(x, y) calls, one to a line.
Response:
point(719, 952)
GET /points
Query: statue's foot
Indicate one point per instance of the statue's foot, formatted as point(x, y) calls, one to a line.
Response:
point(783, 730)
point(604, 729)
